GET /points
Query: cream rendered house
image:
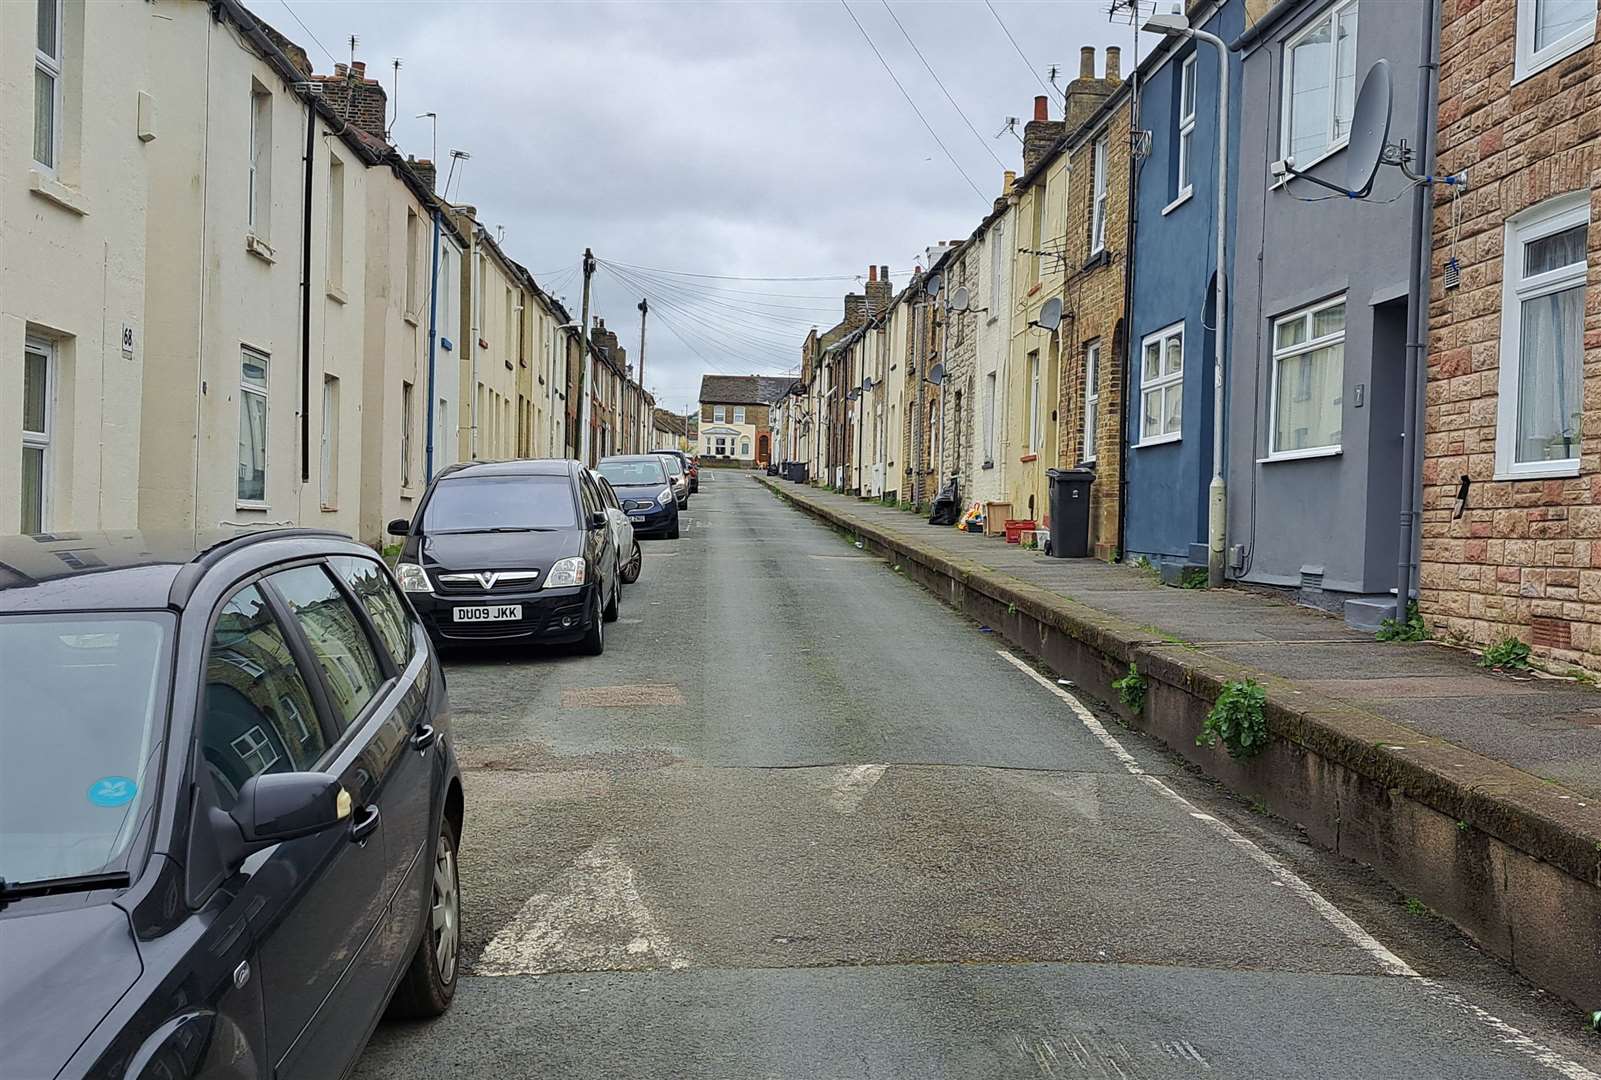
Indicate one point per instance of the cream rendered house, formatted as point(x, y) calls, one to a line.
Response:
point(491, 298)
point(76, 139)
point(992, 330)
point(253, 382)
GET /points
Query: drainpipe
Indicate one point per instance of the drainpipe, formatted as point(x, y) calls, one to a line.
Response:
point(1416, 297)
point(472, 384)
point(1217, 510)
point(433, 342)
point(1127, 359)
point(305, 297)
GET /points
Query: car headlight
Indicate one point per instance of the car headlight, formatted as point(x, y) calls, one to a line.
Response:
point(565, 572)
point(666, 497)
point(413, 578)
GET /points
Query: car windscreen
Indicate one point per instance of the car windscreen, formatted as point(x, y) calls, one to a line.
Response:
point(82, 722)
point(674, 466)
point(634, 473)
point(486, 503)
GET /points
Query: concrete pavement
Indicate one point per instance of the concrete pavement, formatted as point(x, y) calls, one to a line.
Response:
point(801, 820)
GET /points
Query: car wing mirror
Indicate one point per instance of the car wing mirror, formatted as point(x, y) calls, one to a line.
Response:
point(282, 806)
point(597, 520)
point(399, 527)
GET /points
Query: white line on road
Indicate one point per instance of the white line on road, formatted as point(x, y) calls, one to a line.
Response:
point(1502, 1031)
point(851, 786)
point(592, 919)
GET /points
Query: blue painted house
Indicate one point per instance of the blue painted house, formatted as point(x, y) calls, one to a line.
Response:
point(1169, 390)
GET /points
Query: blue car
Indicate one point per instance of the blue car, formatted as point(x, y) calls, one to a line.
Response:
point(229, 807)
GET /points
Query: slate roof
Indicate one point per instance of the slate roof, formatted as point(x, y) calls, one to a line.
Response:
point(744, 389)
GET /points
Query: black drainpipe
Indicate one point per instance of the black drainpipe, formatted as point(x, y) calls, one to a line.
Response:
point(305, 298)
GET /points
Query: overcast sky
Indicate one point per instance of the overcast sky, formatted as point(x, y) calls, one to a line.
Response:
point(740, 139)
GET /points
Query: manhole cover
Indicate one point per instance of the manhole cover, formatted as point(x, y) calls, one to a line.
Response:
point(620, 697)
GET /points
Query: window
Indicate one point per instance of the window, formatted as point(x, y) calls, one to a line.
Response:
point(1162, 386)
point(1186, 139)
point(47, 110)
point(1036, 232)
point(252, 486)
point(1548, 30)
point(336, 222)
point(1542, 339)
point(1098, 211)
point(260, 181)
point(1092, 396)
point(510, 341)
point(1308, 379)
point(374, 591)
point(414, 263)
point(739, 414)
point(717, 414)
point(744, 448)
point(1036, 429)
point(997, 244)
point(408, 418)
point(38, 389)
point(1320, 85)
point(328, 478)
point(989, 419)
point(259, 715)
point(338, 641)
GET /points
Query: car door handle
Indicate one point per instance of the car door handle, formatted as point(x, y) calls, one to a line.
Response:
point(423, 736)
point(365, 825)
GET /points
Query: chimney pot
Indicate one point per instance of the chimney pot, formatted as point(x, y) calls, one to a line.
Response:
point(883, 273)
point(1008, 178)
point(1042, 107)
point(872, 273)
point(1086, 62)
point(359, 69)
point(1114, 63)
point(341, 69)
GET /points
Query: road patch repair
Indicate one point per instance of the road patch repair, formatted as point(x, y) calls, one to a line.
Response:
point(1481, 800)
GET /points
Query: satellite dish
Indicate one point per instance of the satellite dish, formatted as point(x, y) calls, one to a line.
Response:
point(855, 393)
point(960, 299)
point(1370, 129)
point(936, 374)
point(1050, 316)
point(932, 285)
point(867, 384)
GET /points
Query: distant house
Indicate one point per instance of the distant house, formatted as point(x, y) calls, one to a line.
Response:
point(734, 424)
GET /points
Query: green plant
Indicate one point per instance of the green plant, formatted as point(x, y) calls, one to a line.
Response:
point(1507, 654)
point(1011, 609)
point(1236, 719)
point(1142, 563)
point(1194, 578)
point(1258, 805)
point(1462, 826)
point(1414, 906)
point(1131, 689)
point(1411, 630)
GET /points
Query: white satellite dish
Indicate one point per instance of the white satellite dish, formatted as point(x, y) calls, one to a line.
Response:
point(1050, 316)
point(936, 374)
point(960, 299)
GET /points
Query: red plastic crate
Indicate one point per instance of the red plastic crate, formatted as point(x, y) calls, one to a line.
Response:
point(1015, 528)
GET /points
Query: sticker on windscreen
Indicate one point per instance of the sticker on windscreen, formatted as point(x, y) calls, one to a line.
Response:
point(112, 791)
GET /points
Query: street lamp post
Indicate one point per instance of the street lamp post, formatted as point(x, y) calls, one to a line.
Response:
point(1174, 24)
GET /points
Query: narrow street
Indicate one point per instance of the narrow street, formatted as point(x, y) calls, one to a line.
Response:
point(758, 839)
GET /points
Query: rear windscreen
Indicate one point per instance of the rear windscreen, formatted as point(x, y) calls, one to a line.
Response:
point(633, 473)
point(479, 503)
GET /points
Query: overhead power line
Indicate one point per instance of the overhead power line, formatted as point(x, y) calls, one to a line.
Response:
point(331, 57)
point(891, 72)
point(982, 141)
point(726, 277)
point(1050, 90)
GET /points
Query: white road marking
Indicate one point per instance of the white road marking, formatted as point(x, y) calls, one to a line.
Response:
point(851, 786)
point(1503, 1032)
point(592, 919)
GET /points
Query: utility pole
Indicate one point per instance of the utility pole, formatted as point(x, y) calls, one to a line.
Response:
point(647, 426)
point(583, 365)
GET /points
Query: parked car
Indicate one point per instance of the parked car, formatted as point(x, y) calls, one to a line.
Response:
point(511, 551)
point(630, 559)
point(646, 492)
point(690, 464)
point(675, 474)
point(230, 807)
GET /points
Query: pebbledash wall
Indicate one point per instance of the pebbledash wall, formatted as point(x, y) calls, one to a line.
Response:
point(1513, 400)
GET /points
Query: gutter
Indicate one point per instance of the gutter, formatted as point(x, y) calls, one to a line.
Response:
point(1259, 29)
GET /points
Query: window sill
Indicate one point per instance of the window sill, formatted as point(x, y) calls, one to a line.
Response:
point(327, 509)
point(988, 465)
point(1026, 458)
point(1184, 197)
point(259, 248)
point(50, 189)
point(1556, 470)
point(1308, 166)
point(336, 294)
point(252, 504)
point(407, 492)
point(411, 317)
point(1302, 455)
point(1160, 440)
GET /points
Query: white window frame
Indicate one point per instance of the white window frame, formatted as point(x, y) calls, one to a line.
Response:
point(717, 415)
point(1098, 210)
point(1337, 141)
point(1530, 61)
point(1552, 216)
point(1092, 396)
point(1185, 183)
point(1161, 382)
point(997, 242)
point(991, 388)
point(408, 417)
point(328, 471)
point(1311, 344)
point(51, 65)
point(1036, 426)
point(739, 414)
point(266, 414)
point(259, 210)
point(336, 224)
point(40, 440)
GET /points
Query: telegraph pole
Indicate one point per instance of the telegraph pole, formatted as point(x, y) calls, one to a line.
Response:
point(583, 364)
point(647, 427)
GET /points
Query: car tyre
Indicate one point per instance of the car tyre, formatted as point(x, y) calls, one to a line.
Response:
point(672, 530)
point(631, 568)
point(611, 612)
point(594, 642)
point(429, 985)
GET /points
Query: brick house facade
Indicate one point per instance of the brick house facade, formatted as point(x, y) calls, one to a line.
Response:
point(1513, 398)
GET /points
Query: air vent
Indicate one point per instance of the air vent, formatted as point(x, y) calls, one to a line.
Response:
point(1549, 633)
point(1312, 578)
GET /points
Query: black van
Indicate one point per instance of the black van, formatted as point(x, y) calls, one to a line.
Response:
point(510, 551)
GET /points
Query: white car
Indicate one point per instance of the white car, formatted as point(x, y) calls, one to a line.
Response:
point(629, 556)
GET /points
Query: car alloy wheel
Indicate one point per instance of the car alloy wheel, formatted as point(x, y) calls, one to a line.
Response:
point(636, 562)
point(445, 923)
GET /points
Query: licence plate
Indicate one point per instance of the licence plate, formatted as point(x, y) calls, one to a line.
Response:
point(497, 613)
point(636, 517)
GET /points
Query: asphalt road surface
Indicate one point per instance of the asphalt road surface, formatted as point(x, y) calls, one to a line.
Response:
point(801, 821)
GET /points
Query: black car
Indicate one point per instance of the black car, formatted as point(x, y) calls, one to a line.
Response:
point(646, 493)
point(229, 807)
point(511, 551)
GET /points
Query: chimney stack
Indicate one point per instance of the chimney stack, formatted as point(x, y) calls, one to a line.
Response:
point(356, 98)
point(1114, 64)
point(1086, 62)
point(877, 290)
point(424, 169)
point(1085, 93)
point(1040, 133)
